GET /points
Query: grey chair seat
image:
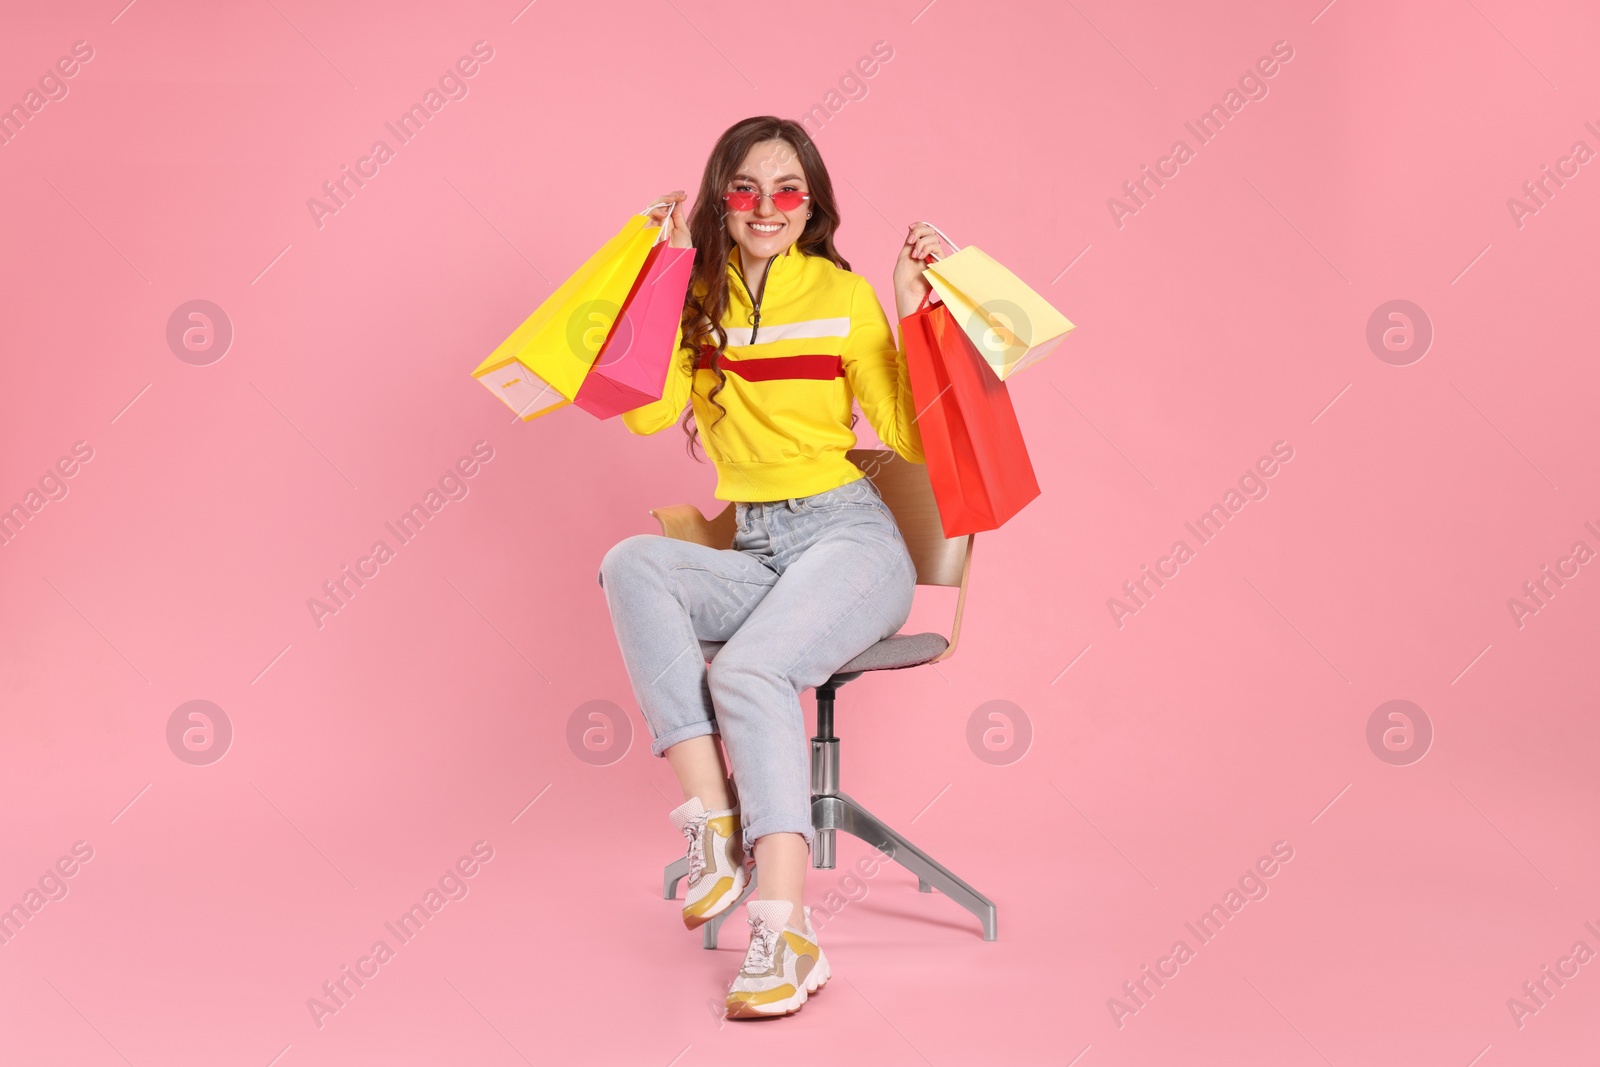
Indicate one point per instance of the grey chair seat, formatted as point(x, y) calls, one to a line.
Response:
point(892, 653)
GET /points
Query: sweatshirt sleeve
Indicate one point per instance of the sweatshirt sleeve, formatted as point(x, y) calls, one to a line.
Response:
point(875, 366)
point(659, 414)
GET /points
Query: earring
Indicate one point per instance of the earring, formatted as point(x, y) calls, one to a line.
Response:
point(808, 214)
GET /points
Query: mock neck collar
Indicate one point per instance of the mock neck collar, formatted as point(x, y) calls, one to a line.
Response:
point(790, 253)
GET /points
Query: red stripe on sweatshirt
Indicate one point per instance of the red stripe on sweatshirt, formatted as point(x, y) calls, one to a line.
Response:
point(774, 368)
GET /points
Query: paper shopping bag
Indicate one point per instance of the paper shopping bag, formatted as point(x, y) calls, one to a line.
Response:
point(1009, 324)
point(541, 366)
point(977, 461)
point(632, 366)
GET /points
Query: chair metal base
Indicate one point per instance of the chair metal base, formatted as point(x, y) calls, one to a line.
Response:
point(832, 811)
point(838, 811)
point(841, 812)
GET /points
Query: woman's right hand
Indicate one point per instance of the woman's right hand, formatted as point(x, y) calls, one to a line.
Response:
point(678, 234)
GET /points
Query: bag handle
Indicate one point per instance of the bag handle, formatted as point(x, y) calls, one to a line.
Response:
point(661, 235)
point(928, 296)
point(941, 233)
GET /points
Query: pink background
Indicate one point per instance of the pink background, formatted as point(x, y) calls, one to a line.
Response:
point(1228, 313)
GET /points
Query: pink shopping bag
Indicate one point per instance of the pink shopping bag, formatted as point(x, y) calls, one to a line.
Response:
point(631, 368)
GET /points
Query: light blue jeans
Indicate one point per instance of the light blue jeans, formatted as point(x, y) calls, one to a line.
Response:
point(810, 583)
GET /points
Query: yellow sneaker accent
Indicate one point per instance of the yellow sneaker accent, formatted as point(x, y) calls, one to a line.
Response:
point(694, 914)
point(800, 944)
point(755, 999)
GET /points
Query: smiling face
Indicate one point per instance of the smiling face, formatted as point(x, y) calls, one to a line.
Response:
point(766, 231)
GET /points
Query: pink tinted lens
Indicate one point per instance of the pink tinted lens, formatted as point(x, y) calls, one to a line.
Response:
point(744, 200)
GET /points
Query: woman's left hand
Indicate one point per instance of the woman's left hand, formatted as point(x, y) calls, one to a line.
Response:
point(910, 287)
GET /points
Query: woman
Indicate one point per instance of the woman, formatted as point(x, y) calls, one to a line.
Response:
point(778, 337)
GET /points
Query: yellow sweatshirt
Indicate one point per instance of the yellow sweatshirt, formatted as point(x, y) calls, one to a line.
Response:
point(820, 339)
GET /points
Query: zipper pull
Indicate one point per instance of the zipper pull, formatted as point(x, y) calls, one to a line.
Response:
point(755, 324)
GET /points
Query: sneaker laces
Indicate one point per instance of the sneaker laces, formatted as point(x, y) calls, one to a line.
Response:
point(695, 830)
point(763, 943)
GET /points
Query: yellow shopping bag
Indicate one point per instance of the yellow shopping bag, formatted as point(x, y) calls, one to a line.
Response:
point(541, 365)
point(1009, 324)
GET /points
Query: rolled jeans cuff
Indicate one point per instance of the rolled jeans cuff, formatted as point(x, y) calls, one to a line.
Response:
point(776, 824)
point(659, 746)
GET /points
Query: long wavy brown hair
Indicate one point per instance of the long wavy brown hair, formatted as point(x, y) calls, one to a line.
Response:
point(708, 281)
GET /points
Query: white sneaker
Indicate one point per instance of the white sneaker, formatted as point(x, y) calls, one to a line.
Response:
point(717, 872)
point(782, 968)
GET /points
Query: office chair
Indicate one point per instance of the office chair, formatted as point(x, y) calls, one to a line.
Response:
point(905, 488)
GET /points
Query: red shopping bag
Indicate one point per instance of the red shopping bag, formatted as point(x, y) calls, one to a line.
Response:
point(631, 367)
point(977, 461)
